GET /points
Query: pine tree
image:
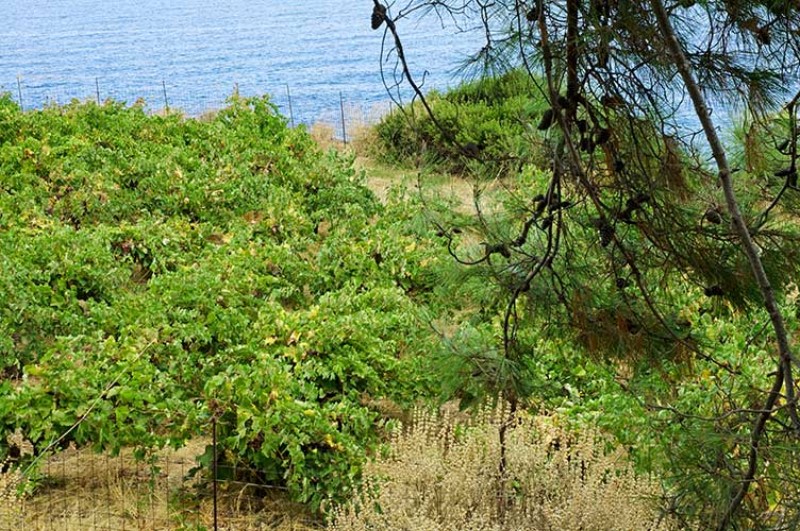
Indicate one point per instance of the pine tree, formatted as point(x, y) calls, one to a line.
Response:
point(631, 86)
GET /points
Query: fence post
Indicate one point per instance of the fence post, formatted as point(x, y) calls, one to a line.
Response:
point(97, 89)
point(214, 466)
point(19, 91)
point(341, 108)
point(289, 97)
point(166, 102)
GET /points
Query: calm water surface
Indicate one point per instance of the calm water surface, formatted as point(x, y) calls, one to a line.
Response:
point(200, 50)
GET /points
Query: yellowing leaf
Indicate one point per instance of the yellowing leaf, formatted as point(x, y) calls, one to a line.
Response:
point(293, 338)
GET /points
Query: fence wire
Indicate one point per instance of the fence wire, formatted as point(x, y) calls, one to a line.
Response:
point(78, 489)
point(300, 105)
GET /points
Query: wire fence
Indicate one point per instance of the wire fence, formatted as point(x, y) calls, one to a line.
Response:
point(300, 105)
point(78, 489)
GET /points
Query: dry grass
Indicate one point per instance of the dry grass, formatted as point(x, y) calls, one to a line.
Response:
point(11, 482)
point(327, 130)
point(10, 506)
point(382, 178)
point(443, 475)
point(324, 134)
point(82, 490)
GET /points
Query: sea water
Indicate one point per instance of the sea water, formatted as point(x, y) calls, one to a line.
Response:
point(192, 54)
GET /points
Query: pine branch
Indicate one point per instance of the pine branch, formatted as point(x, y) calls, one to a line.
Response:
point(784, 374)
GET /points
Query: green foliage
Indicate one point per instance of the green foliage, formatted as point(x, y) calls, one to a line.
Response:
point(628, 280)
point(157, 271)
point(491, 114)
point(675, 390)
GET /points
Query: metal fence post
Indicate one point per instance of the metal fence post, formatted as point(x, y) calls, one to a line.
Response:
point(214, 480)
point(166, 102)
point(341, 108)
point(19, 91)
point(289, 97)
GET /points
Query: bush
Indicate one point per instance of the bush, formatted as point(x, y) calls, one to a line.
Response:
point(491, 115)
point(157, 271)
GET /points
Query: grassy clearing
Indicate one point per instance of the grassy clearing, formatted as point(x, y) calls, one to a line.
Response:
point(382, 178)
point(81, 489)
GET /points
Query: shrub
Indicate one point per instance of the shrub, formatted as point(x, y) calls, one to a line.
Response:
point(157, 271)
point(492, 115)
point(444, 475)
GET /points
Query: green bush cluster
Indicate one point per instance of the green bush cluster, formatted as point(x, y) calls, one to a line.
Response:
point(157, 271)
point(489, 117)
point(676, 401)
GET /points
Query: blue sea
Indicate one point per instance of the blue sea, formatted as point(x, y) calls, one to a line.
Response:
point(192, 54)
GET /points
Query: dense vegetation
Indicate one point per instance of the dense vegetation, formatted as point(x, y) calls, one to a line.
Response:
point(490, 117)
point(157, 272)
point(645, 231)
point(647, 324)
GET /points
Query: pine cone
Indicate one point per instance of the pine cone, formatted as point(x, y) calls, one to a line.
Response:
point(606, 233)
point(378, 15)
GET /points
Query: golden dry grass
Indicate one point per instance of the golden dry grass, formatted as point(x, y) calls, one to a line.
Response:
point(327, 130)
point(81, 490)
point(444, 475)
